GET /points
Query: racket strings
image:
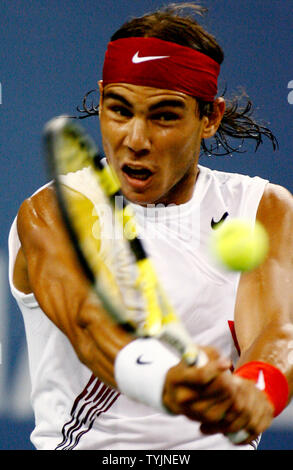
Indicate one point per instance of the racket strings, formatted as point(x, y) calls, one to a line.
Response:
point(105, 249)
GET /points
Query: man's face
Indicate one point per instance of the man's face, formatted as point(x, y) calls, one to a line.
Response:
point(151, 137)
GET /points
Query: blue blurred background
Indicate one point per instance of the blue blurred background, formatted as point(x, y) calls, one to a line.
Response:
point(51, 54)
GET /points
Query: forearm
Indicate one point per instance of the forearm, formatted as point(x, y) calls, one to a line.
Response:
point(76, 311)
point(274, 346)
point(265, 332)
point(263, 318)
point(69, 303)
point(267, 363)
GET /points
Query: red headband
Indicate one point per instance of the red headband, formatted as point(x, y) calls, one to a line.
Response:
point(161, 64)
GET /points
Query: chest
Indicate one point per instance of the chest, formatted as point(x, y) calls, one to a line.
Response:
point(202, 294)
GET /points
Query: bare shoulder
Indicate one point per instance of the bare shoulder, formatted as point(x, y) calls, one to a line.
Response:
point(36, 206)
point(276, 202)
point(34, 213)
point(39, 223)
point(275, 212)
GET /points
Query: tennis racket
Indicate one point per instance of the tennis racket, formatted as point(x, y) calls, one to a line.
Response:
point(118, 269)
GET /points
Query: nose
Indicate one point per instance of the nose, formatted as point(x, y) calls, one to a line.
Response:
point(137, 138)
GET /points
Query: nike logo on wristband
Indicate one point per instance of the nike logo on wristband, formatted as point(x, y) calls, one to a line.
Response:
point(215, 224)
point(137, 60)
point(260, 384)
point(139, 360)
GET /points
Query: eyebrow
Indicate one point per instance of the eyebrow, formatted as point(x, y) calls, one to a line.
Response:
point(116, 96)
point(161, 104)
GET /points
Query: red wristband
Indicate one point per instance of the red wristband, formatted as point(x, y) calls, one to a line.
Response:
point(270, 380)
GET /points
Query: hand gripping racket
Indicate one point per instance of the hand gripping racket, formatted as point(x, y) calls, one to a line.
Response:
point(119, 270)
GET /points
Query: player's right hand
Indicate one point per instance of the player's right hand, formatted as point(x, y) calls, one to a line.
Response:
point(187, 386)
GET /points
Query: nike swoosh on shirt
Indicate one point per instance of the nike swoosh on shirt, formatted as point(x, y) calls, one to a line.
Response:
point(214, 224)
point(137, 60)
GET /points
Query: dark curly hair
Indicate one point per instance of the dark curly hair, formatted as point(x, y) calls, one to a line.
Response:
point(176, 23)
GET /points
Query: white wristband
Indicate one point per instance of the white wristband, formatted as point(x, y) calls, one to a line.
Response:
point(140, 370)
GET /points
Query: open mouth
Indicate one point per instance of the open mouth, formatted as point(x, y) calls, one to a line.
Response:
point(133, 172)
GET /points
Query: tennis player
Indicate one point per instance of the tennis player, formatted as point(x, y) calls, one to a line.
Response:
point(94, 386)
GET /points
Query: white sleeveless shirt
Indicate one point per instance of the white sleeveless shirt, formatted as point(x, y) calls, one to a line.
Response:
point(75, 410)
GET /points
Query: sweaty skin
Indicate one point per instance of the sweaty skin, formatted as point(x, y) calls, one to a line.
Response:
point(150, 128)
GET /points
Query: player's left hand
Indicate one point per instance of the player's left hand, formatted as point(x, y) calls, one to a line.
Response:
point(220, 401)
point(249, 410)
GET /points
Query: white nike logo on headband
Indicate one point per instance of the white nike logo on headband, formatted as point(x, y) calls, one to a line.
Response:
point(138, 60)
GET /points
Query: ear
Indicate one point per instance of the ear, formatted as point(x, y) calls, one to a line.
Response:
point(213, 121)
point(101, 89)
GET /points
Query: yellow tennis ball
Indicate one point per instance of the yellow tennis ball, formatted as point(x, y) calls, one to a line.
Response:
point(240, 245)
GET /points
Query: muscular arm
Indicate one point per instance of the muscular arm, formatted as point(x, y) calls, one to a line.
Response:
point(264, 328)
point(264, 309)
point(263, 322)
point(56, 278)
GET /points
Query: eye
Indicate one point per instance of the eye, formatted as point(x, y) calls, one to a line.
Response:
point(121, 110)
point(166, 116)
